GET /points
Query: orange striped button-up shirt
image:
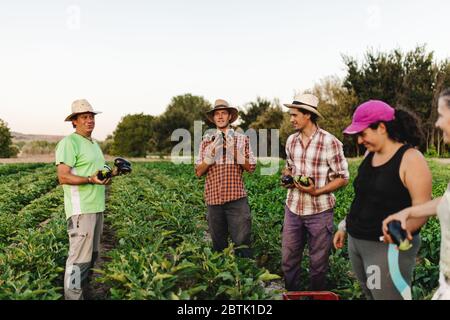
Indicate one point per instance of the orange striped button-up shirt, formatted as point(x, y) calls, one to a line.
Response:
point(224, 181)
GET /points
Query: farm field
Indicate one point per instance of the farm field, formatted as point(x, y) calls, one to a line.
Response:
point(157, 245)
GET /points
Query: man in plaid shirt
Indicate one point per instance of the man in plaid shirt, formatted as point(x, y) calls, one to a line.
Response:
point(318, 155)
point(223, 157)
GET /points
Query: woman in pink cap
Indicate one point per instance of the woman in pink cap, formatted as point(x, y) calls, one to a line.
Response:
point(439, 206)
point(393, 175)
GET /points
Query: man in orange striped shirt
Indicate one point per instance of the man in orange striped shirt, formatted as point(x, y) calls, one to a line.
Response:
point(224, 157)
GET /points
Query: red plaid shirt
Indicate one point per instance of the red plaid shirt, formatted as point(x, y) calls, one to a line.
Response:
point(224, 178)
point(322, 159)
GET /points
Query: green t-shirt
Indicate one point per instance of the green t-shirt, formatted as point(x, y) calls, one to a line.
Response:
point(85, 158)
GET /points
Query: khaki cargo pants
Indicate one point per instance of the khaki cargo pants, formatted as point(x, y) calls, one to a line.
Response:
point(84, 232)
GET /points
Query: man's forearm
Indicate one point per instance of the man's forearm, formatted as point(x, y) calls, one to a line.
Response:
point(244, 162)
point(246, 165)
point(201, 169)
point(332, 186)
point(72, 180)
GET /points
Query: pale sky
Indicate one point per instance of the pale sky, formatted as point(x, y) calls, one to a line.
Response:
point(134, 56)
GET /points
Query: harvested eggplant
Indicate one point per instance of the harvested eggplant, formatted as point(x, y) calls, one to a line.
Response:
point(123, 166)
point(105, 173)
point(287, 180)
point(398, 235)
point(303, 180)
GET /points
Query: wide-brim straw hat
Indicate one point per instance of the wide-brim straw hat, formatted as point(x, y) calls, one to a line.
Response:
point(221, 104)
point(307, 102)
point(80, 106)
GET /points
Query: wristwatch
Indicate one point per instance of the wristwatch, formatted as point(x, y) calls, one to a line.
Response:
point(89, 180)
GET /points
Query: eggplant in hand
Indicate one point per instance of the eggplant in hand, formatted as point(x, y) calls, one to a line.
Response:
point(123, 166)
point(105, 173)
point(287, 180)
point(398, 235)
point(304, 181)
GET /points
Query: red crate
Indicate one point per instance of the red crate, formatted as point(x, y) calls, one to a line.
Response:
point(311, 295)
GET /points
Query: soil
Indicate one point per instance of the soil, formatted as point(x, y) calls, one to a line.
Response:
point(442, 160)
point(97, 290)
point(30, 159)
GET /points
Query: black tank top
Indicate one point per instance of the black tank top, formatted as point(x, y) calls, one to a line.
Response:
point(379, 192)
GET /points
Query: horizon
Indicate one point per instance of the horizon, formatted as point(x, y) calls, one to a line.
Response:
point(134, 57)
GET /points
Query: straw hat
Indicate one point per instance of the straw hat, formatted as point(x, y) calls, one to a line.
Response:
point(221, 104)
point(80, 106)
point(307, 102)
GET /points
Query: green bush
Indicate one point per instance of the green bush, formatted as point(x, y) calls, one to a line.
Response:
point(432, 152)
point(38, 147)
point(7, 149)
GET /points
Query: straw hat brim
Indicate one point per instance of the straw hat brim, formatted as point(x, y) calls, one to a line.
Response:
point(234, 114)
point(305, 107)
point(69, 118)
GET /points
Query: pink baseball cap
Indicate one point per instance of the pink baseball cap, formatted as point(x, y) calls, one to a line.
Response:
point(368, 113)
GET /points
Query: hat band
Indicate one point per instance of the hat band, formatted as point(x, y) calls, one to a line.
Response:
point(221, 106)
point(297, 103)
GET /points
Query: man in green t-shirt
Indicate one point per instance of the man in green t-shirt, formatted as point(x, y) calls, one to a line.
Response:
point(78, 159)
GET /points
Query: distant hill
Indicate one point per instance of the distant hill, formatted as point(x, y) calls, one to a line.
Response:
point(17, 137)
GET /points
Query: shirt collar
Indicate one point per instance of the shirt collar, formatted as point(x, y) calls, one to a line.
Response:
point(218, 131)
point(312, 136)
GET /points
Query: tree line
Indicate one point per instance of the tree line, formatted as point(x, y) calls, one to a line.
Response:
point(411, 80)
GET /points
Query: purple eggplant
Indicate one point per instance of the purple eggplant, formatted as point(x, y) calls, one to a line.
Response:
point(287, 180)
point(105, 173)
point(123, 166)
point(398, 235)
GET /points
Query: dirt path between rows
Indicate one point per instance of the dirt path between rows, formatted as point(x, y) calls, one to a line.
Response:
point(97, 290)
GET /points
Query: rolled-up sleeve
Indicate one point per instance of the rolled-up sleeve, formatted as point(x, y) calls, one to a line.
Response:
point(201, 154)
point(289, 161)
point(249, 155)
point(336, 160)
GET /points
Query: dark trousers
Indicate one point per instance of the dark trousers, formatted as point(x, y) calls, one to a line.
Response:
point(232, 218)
point(317, 230)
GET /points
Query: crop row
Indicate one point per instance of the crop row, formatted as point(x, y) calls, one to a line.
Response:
point(32, 267)
point(17, 175)
point(37, 212)
point(163, 251)
point(16, 194)
point(6, 169)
